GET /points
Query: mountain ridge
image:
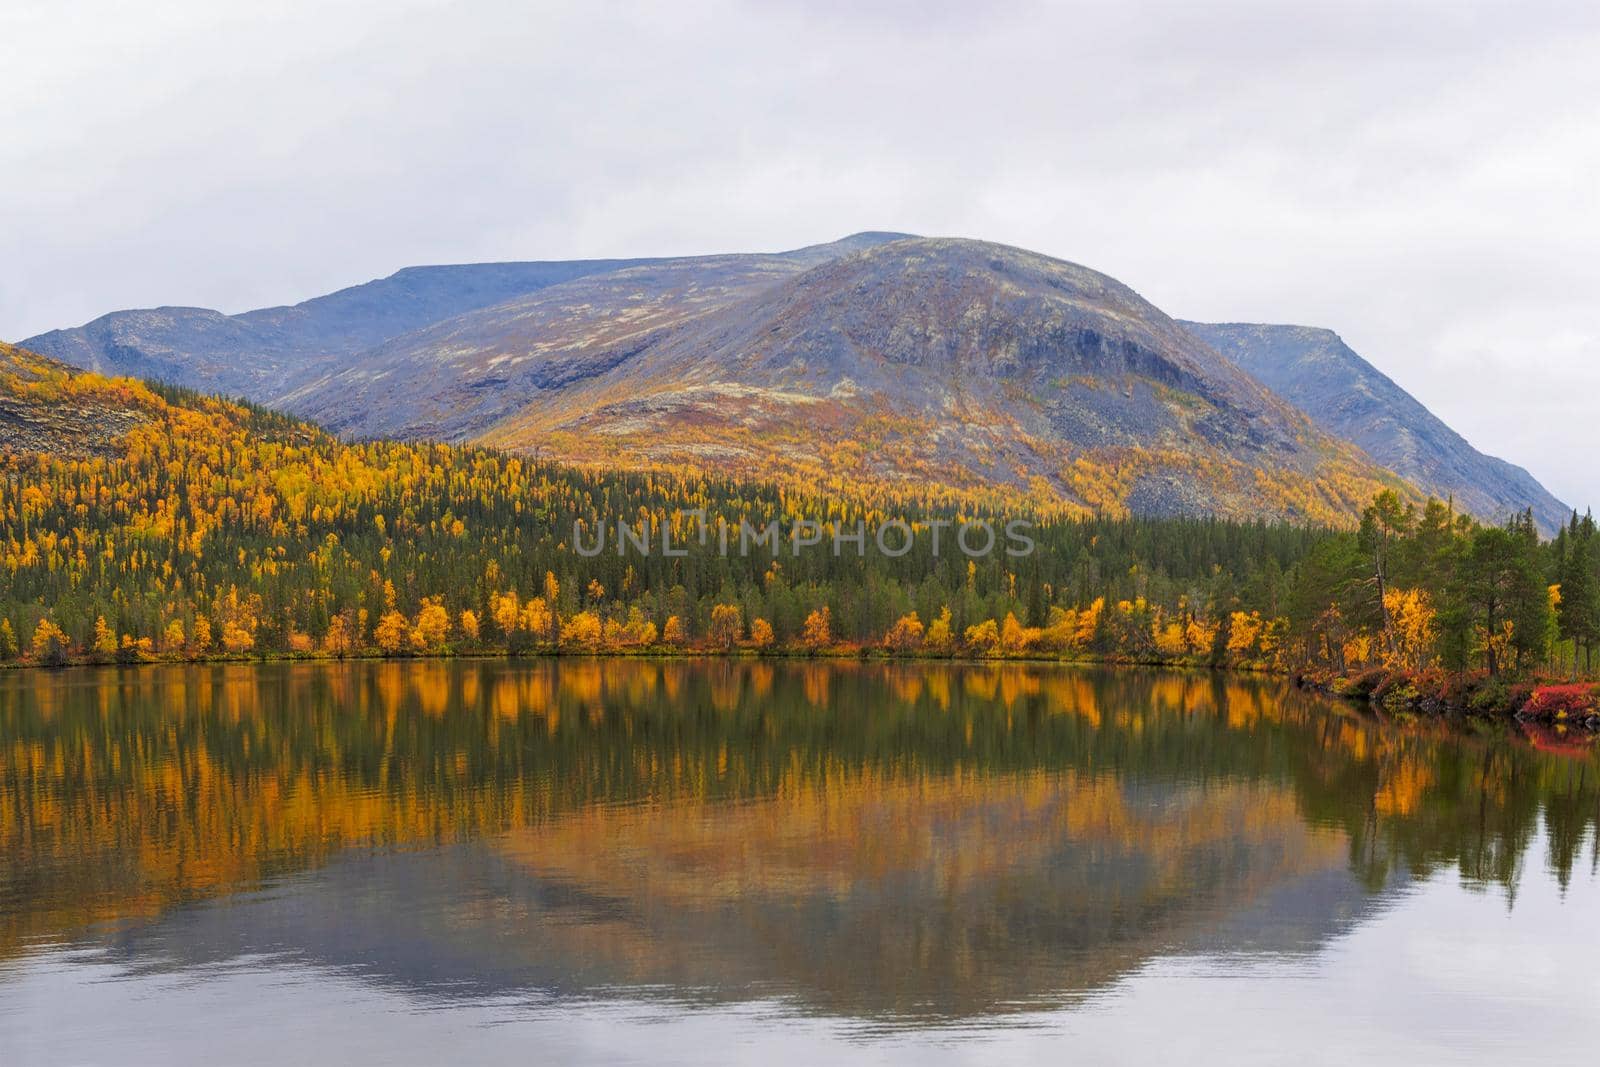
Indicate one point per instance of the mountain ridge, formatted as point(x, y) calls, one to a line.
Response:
point(958, 361)
point(1314, 369)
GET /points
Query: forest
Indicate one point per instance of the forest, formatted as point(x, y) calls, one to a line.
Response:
point(216, 529)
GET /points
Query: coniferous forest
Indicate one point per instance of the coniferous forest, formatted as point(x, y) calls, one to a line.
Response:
point(210, 528)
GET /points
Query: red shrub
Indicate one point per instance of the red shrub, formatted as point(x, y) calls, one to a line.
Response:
point(1560, 701)
point(1432, 683)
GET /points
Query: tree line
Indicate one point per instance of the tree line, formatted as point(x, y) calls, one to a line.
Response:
point(221, 529)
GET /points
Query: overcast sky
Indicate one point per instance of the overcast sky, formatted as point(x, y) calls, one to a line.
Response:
point(1423, 178)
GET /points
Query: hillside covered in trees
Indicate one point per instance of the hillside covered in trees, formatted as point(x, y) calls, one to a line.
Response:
point(172, 524)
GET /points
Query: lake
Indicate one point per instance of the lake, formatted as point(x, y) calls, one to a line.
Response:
point(628, 861)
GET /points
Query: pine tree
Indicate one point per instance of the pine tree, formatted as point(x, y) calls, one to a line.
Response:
point(1578, 610)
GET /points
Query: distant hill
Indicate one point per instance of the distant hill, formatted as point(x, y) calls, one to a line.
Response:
point(1317, 372)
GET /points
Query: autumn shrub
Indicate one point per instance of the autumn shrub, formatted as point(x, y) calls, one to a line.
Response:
point(1457, 688)
point(817, 633)
point(1396, 690)
point(1561, 701)
point(905, 635)
point(1430, 683)
point(760, 633)
point(1363, 685)
point(1392, 682)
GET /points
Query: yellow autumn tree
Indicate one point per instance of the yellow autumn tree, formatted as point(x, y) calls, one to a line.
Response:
point(1413, 621)
point(727, 625)
point(1016, 639)
point(173, 639)
point(638, 629)
point(939, 637)
point(817, 632)
point(1088, 622)
point(200, 635)
point(1199, 634)
point(761, 633)
point(905, 635)
point(432, 627)
point(1244, 632)
point(506, 611)
point(581, 632)
point(538, 619)
point(336, 641)
point(983, 637)
point(392, 633)
point(1168, 636)
point(49, 645)
point(104, 645)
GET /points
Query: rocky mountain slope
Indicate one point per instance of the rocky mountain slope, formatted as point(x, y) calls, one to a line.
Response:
point(950, 362)
point(49, 408)
point(259, 353)
point(457, 377)
point(263, 354)
point(45, 407)
point(1348, 397)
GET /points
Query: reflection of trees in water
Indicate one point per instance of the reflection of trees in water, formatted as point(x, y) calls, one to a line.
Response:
point(128, 792)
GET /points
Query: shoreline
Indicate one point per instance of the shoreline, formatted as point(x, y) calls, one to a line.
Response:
point(1463, 698)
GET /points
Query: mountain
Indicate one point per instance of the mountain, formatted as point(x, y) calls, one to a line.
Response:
point(1348, 397)
point(265, 353)
point(880, 356)
point(455, 378)
point(949, 362)
point(259, 353)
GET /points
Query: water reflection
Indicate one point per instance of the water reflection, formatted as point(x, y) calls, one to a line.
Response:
point(911, 844)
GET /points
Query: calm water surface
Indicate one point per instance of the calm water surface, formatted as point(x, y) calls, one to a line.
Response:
point(620, 862)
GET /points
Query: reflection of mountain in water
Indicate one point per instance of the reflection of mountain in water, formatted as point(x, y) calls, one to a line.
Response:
point(938, 900)
point(932, 842)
